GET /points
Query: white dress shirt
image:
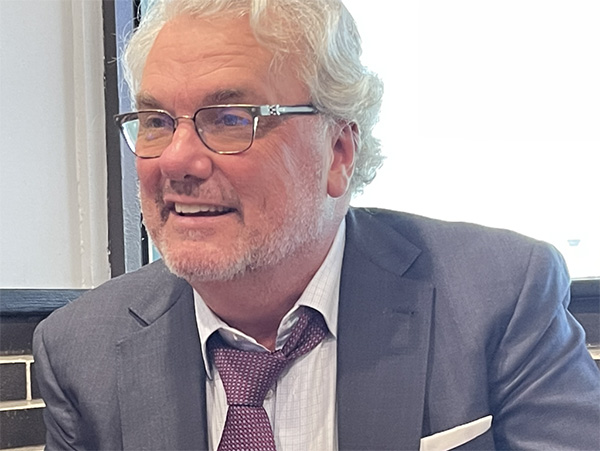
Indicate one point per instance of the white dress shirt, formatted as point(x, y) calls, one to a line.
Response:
point(302, 404)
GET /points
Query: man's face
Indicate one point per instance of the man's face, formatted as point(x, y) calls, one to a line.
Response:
point(244, 211)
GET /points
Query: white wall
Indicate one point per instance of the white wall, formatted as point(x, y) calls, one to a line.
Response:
point(53, 231)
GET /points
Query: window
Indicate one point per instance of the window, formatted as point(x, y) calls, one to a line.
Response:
point(491, 116)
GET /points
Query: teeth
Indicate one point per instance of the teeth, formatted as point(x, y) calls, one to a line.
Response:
point(192, 209)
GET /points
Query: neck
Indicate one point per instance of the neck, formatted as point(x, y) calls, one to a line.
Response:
point(256, 302)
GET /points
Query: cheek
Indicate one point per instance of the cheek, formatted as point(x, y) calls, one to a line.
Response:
point(150, 193)
point(280, 172)
point(266, 182)
point(291, 176)
point(264, 185)
point(296, 156)
point(149, 176)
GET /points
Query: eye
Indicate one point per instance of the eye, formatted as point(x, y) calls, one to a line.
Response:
point(155, 120)
point(232, 117)
point(154, 125)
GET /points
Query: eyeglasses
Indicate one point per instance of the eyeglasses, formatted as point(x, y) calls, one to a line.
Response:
point(224, 129)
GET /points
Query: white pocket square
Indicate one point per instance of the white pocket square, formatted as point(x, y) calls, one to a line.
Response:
point(456, 436)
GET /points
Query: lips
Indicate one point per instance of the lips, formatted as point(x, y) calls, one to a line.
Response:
point(200, 210)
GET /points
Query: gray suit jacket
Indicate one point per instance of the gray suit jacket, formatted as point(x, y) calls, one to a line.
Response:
point(439, 324)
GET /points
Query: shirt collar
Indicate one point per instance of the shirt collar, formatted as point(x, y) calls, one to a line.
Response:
point(321, 294)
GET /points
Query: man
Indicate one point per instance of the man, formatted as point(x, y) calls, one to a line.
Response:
point(252, 132)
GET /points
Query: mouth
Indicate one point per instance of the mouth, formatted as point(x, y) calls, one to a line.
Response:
point(199, 210)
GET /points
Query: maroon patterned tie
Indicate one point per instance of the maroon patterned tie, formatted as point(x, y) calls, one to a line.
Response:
point(248, 375)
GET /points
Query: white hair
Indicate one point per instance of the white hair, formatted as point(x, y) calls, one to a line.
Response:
point(322, 37)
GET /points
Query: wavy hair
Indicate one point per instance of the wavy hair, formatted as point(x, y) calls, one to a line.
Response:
point(322, 37)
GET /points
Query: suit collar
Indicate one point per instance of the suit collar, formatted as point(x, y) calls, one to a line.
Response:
point(158, 291)
point(377, 240)
point(384, 329)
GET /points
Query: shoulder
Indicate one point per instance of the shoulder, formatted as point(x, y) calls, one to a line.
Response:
point(116, 294)
point(456, 244)
point(105, 312)
point(473, 268)
point(422, 230)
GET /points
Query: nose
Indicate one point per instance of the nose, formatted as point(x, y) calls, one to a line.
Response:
point(186, 155)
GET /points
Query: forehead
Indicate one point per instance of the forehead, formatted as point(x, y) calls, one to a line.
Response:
point(194, 61)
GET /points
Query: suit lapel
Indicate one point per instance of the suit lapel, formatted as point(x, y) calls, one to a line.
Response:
point(161, 375)
point(383, 339)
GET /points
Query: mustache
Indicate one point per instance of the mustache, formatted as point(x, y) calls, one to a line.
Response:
point(190, 187)
point(203, 190)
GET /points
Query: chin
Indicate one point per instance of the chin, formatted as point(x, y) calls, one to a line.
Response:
point(193, 261)
point(192, 272)
point(196, 263)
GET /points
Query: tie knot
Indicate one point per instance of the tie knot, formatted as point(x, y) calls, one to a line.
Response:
point(248, 375)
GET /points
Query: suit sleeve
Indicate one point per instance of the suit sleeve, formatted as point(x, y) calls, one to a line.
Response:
point(545, 386)
point(60, 416)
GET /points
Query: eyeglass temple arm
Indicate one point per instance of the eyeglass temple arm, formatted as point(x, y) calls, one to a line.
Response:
point(278, 110)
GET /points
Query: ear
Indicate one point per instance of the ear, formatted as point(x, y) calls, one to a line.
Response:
point(345, 140)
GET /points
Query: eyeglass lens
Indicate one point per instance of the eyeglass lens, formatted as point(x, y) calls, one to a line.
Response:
point(225, 130)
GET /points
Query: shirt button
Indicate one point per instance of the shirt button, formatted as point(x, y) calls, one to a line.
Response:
point(269, 394)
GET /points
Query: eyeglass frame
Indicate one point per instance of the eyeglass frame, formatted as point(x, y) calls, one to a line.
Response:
point(256, 111)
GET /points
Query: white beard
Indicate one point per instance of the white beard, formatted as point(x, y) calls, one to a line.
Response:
point(302, 228)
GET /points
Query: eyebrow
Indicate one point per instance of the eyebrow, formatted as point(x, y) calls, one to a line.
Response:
point(145, 100)
point(224, 96)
